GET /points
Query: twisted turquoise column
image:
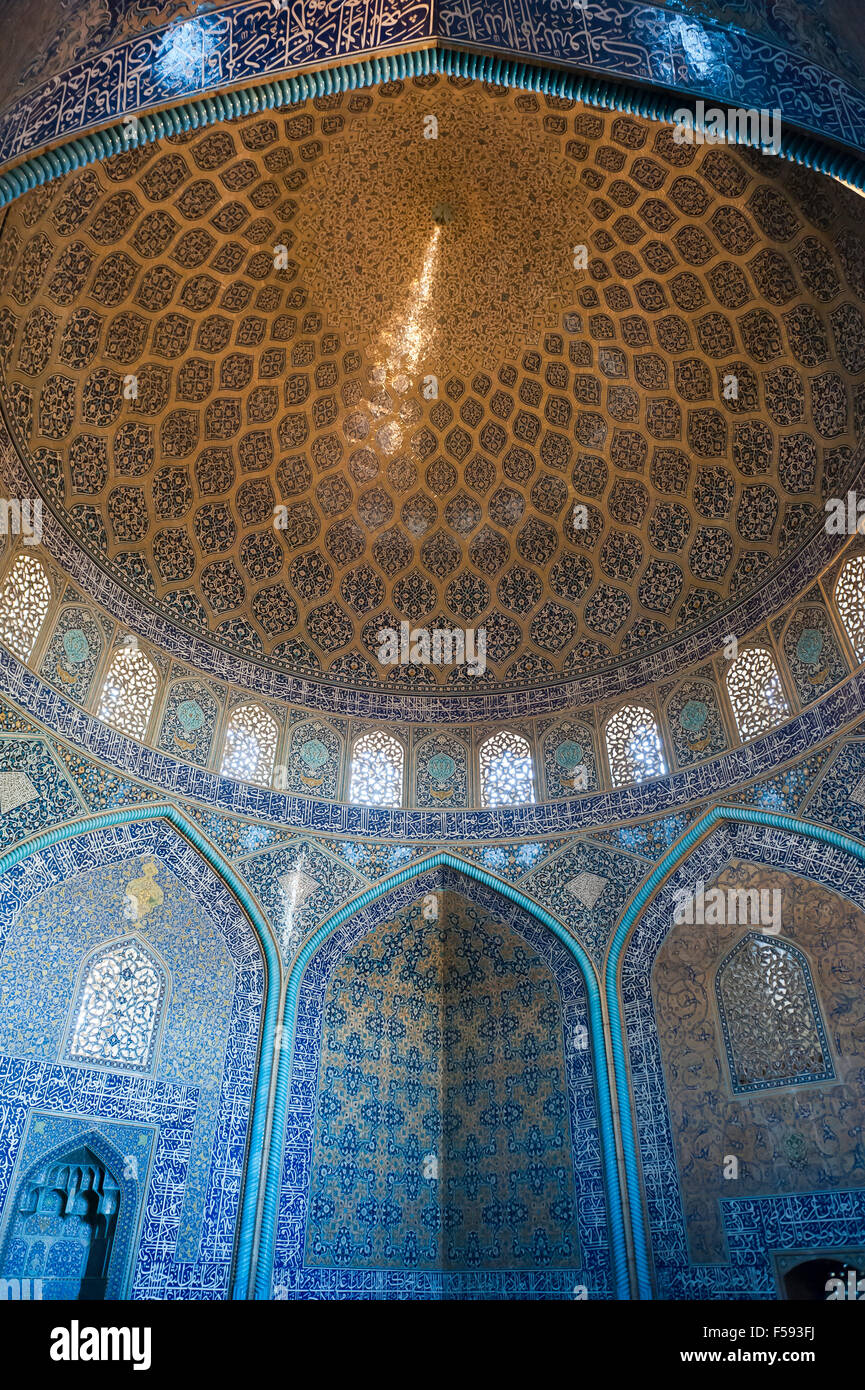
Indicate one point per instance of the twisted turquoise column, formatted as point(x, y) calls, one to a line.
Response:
point(270, 1176)
point(484, 67)
point(618, 1249)
point(255, 1146)
point(671, 860)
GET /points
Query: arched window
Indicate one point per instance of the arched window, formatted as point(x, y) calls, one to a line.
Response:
point(23, 604)
point(250, 745)
point(850, 602)
point(129, 691)
point(634, 746)
point(773, 1032)
point(506, 770)
point(376, 771)
point(755, 692)
point(115, 1020)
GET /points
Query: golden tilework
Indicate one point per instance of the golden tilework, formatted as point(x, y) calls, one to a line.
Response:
point(443, 1134)
point(305, 386)
point(496, 275)
point(786, 1137)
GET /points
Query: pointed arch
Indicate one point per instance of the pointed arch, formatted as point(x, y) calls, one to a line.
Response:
point(756, 693)
point(507, 770)
point(129, 691)
point(376, 770)
point(118, 1006)
point(616, 950)
point(850, 602)
point(606, 1130)
point(770, 1016)
point(271, 988)
point(249, 749)
point(122, 1196)
point(24, 602)
point(634, 747)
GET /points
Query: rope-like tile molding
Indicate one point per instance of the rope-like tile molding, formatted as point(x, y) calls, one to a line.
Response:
point(671, 861)
point(618, 1240)
point(798, 148)
point(258, 1124)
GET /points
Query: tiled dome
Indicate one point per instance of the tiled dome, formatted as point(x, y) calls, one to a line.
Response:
point(327, 316)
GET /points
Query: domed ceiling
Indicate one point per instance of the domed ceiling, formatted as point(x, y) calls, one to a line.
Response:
point(425, 384)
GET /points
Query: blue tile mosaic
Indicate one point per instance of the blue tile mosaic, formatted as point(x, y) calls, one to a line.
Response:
point(54, 905)
point(788, 790)
point(126, 1150)
point(234, 46)
point(715, 779)
point(666, 48)
point(252, 41)
point(587, 888)
point(298, 886)
point(73, 652)
point(455, 1153)
point(99, 788)
point(374, 861)
point(511, 861)
point(236, 838)
point(292, 1276)
point(189, 721)
point(33, 790)
point(835, 799)
point(651, 839)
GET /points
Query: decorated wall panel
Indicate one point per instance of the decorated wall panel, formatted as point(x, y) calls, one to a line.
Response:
point(695, 722)
point(72, 656)
point(785, 1137)
point(814, 656)
point(131, 989)
point(441, 764)
point(189, 720)
point(314, 762)
point(568, 753)
point(448, 1146)
point(789, 1118)
point(298, 884)
point(34, 790)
